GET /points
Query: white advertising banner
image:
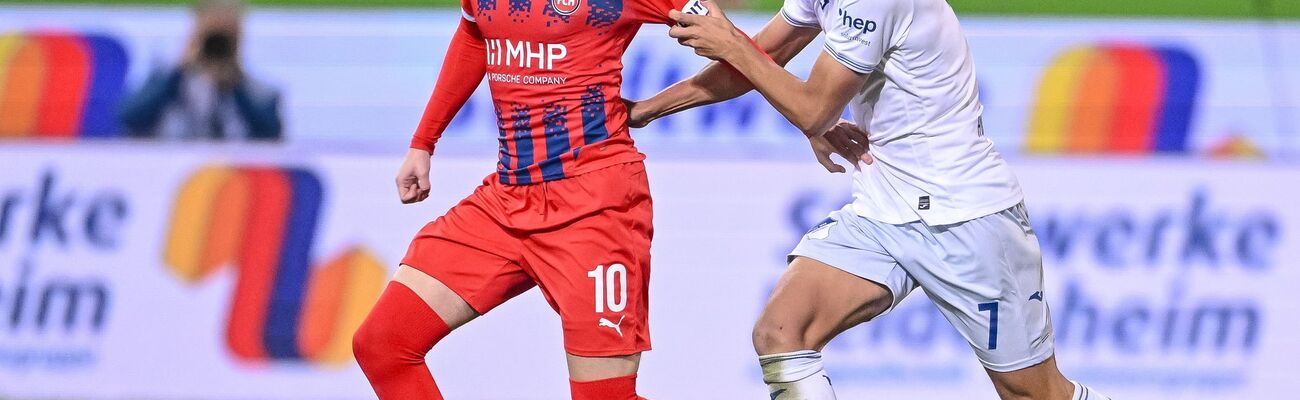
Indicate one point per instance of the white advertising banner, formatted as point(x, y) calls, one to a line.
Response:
point(362, 77)
point(1167, 279)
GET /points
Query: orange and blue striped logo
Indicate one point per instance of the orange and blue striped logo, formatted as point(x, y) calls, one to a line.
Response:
point(60, 85)
point(1115, 99)
point(262, 222)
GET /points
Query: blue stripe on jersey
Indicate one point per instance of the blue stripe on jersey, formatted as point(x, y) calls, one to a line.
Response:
point(848, 62)
point(556, 120)
point(507, 160)
point(593, 116)
point(520, 122)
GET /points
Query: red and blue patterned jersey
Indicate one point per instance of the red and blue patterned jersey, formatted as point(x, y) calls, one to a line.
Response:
point(554, 68)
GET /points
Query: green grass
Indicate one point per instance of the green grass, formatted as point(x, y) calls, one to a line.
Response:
point(1159, 8)
point(1106, 8)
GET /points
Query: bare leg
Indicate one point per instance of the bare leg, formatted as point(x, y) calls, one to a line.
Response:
point(1041, 382)
point(812, 303)
point(585, 369)
point(442, 300)
point(603, 378)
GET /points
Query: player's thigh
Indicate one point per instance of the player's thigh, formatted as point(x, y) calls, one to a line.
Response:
point(812, 303)
point(456, 279)
point(586, 369)
point(465, 255)
point(986, 278)
point(449, 306)
point(839, 277)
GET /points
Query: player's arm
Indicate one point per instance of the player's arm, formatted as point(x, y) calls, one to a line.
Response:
point(463, 69)
point(813, 105)
point(718, 81)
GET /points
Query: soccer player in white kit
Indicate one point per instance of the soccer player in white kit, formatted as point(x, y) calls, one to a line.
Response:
point(934, 206)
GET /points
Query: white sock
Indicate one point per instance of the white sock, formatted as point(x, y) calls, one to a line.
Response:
point(796, 376)
point(1082, 392)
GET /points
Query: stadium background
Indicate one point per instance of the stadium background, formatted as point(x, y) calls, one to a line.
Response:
point(1157, 142)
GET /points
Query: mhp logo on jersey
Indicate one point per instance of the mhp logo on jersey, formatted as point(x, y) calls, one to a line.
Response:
point(60, 85)
point(1125, 99)
point(262, 222)
point(566, 7)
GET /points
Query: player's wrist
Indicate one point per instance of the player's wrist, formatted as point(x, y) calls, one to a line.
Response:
point(425, 143)
point(737, 45)
point(744, 59)
point(638, 119)
point(671, 100)
point(645, 110)
point(415, 152)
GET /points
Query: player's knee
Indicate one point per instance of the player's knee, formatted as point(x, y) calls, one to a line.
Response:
point(371, 346)
point(381, 345)
point(772, 337)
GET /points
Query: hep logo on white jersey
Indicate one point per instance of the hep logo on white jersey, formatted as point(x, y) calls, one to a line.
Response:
point(506, 52)
point(862, 25)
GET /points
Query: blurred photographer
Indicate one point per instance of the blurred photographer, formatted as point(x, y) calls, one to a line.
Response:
point(208, 96)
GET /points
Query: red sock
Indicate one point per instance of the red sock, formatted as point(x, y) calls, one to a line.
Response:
point(618, 388)
point(391, 344)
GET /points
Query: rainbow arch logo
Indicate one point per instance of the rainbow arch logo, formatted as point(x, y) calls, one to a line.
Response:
point(60, 85)
point(1118, 99)
point(262, 222)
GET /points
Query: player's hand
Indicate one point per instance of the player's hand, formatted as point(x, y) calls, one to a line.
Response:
point(413, 177)
point(844, 139)
point(636, 115)
point(712, 35)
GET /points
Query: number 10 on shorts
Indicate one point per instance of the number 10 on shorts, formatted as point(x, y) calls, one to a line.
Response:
point(606, 280)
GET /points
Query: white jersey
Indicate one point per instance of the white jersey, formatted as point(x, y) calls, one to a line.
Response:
point(921, 107)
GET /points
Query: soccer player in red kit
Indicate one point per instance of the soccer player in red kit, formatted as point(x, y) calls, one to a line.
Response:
point(568, 209)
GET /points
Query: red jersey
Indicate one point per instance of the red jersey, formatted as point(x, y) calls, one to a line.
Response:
point(555, 69)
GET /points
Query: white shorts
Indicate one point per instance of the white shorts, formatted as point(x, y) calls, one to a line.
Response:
point(986, 275)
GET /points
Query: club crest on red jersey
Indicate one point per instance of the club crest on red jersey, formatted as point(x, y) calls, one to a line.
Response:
point(566, 7)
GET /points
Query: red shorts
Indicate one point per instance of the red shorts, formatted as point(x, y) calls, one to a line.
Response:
point(585, 241)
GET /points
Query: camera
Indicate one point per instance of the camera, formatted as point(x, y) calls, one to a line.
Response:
point(218, 46)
